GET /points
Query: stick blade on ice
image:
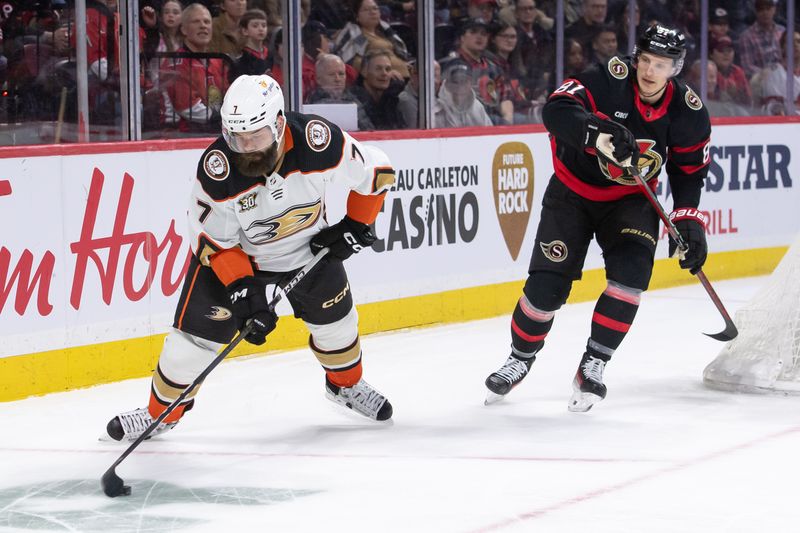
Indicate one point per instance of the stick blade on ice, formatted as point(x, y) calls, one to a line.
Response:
point(113, 485)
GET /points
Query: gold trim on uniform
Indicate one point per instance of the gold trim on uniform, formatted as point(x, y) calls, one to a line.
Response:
point(640, 233)
point(384, 178)
point(168, 392)
point(338, 358)
point(205, 254)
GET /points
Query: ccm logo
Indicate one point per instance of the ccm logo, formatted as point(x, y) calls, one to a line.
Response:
point(336, 299)
point(237, 295)
point(349, 239)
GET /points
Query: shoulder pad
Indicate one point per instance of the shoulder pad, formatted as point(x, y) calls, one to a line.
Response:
point(218, 176)
point(318, 143)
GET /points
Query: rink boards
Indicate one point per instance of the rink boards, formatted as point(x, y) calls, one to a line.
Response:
point(93, 248)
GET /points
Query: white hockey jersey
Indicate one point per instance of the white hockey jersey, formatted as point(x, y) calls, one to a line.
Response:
point(273, 217)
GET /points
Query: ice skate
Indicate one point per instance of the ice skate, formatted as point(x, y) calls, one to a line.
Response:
point(588, 384)
point(361, 398)
point(506, 378)
point(129, 426)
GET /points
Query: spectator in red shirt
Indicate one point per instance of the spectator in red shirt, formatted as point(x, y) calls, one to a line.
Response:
point(196, 85)
point(276, 70)
point(732, 84)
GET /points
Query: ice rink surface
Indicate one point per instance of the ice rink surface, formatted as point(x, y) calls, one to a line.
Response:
point(263, 450)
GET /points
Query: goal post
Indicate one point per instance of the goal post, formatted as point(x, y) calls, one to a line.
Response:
point(765, 356)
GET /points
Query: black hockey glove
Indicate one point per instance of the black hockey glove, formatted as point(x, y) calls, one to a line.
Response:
point(623, 143)
point(690, 224)
point(249, 301)
point(345, 238)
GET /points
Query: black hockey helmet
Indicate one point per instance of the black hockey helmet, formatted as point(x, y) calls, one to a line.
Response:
point(663, 41)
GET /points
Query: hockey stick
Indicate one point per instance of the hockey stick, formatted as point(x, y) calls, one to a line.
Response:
point(112, 484)
point(730, 332)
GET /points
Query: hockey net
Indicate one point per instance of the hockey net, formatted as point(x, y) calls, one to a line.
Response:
point(765, 356)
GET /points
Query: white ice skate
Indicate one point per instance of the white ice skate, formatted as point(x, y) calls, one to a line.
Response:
point(588, 384)
point(129, 426)
point(361, 398)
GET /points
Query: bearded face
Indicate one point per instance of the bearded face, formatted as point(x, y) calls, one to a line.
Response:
point(255, 164)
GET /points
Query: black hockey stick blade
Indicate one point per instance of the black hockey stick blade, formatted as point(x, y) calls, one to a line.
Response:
point(730, 332)
point(113, 485)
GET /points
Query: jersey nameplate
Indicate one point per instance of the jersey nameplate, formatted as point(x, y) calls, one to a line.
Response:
point(318, 135)
point(216, 165)
point(692, 100)
point(617, 68)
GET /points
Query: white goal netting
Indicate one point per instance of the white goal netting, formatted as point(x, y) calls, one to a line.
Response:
point(765, 356)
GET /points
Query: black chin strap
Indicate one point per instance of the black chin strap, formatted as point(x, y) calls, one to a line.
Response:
point(641, 93)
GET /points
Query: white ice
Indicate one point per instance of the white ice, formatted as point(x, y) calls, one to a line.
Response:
point(263, 450)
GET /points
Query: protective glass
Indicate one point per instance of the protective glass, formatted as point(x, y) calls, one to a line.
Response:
point(249, 141)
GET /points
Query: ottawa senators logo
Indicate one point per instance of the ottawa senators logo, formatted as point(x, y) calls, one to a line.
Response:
point(555, 251)
point(692, 100)
point(617, 68)
point(649, 165)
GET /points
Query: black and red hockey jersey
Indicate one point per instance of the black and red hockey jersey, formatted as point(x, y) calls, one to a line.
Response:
point(675, 132)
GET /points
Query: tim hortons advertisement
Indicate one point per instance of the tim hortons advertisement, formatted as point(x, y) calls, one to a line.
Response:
point(94, 248)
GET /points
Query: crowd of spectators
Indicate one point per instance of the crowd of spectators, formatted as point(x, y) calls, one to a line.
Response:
point(495, 59)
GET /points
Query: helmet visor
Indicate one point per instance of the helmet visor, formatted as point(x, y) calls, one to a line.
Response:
point(249, 141)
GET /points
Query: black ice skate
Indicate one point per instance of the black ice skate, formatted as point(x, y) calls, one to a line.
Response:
point(510, 374)
point(588, 384)
point(361, 398)
point(129, 426)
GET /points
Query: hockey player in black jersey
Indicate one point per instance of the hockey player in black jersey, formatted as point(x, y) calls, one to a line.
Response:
point(256, 216)
point(626, 112)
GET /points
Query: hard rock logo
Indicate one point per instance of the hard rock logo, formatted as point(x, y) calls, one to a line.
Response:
point(512, 183)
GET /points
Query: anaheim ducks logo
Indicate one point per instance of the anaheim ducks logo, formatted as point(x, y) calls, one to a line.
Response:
point(649, 165)
point(555, 251)
point(294, 219)
point(618, 68)
point(692, 100)
point(219, 313)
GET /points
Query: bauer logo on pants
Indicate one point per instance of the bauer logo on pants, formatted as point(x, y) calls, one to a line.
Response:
point(555, 251)
point(512, 182)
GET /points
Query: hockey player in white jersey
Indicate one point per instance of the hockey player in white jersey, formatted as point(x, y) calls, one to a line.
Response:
point(256, 216)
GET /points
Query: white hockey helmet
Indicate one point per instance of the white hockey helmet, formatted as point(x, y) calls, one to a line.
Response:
point(252, 104)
